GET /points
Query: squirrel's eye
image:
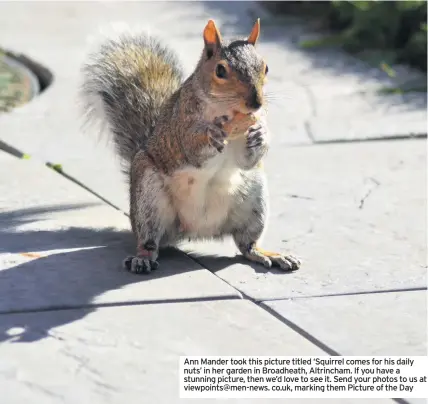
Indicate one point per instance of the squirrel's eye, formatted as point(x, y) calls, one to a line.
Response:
point(220, 71)
point(266, 70)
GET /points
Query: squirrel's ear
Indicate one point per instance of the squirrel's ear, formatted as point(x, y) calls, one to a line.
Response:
point(212, 37)
point(252, 39)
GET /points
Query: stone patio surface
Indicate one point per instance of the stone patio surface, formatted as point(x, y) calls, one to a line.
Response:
point(348, 184)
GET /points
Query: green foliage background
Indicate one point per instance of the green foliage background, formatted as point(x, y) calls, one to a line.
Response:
point(397, 29)
point(398, 26)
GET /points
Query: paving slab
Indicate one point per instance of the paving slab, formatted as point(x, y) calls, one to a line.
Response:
point(113, 356)
point(379, 324)
point(61, 247)
point(355, 214)
point(369, 324)
point(365, 116)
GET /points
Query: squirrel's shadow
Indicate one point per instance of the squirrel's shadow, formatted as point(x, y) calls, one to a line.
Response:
point(83, 265)
point(68, 284)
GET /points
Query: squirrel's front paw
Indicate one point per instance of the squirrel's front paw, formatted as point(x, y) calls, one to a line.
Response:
point(256, 137)
point(216, 133)
point(239, 124)
point(140, 265)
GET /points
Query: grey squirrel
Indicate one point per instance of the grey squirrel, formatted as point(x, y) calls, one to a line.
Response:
point(192, 149)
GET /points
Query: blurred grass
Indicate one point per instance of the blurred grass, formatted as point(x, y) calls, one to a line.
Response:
point(382, 32)
point(15, 87)
point(7, 76)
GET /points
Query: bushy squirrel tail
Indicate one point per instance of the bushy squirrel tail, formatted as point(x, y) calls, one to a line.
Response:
point(125, 83)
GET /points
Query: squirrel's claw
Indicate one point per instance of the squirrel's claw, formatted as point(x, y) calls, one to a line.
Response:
point(220, 120)
point(256, 136)
point(138, 265)
point(269, 259)
point(286, 262)
point(217, 137)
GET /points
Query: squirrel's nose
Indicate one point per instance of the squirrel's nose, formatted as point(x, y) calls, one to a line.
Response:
point(255, 101)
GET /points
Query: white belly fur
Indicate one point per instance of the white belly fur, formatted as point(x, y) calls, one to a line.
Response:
point(203, 197)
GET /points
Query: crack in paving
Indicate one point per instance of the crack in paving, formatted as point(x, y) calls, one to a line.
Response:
point(310, 95)
point(308, 130)
point(369, 192)
point(313, 111)
point(309, 198)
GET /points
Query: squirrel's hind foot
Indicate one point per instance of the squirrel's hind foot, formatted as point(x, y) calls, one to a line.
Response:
point(140, 265)
point(269, 259)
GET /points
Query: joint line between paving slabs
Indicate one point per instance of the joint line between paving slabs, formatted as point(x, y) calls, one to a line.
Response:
point(364, 292)
point(241, 296)
point(58, 169)
point(400, 400)
point(94, 306)
point(411, 136)
point(290, 324)
point(293, 326)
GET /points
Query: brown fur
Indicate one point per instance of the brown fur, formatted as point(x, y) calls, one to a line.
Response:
point(193, 151)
